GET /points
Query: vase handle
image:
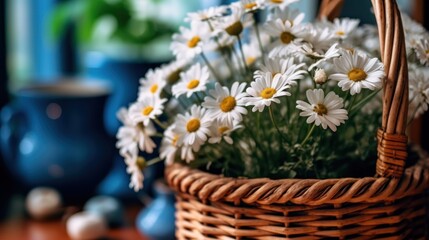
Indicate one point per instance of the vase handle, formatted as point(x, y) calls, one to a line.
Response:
point(12, 128)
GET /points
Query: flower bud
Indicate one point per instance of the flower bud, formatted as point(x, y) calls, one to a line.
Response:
point(320, 76)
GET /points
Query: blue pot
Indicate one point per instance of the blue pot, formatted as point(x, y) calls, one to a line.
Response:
point(122, 75)
point(157, 220)
point(53, 135)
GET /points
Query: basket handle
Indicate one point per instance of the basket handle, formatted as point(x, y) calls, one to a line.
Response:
point(392, 141)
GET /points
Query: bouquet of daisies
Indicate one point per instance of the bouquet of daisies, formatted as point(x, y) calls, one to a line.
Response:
point(254, 91)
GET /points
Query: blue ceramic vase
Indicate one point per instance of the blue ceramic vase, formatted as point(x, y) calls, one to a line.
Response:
point(53, 135)
point(157, 220)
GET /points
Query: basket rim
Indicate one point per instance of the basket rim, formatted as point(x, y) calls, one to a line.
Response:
point(265, 191)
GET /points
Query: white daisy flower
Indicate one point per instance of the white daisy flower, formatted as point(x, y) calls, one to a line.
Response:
point(147, 108)
point(250, 5)
point(135, 168)
point(222, 130)
point(226, 105)
point(189, 42)
point(320, 38)
point(422, 51)
point(206, 14)
point(279, 3)
point(235, 23)
point(193, 127)
point(171, 71)
point(284, 67)
point(265, 90)
point(356, 71)
point(169, 145)
point(132, 138)
point(191, 81)
point(413, 40)
point(342, 28)
point(332, 52)
point(124, 117)
point(274, 66)
point(151, 84)
point(127, 141)
point(419, 91)
point(287, 36)
point(130, 135)
point(187, 152)
point(294, 16)
point(326, 111)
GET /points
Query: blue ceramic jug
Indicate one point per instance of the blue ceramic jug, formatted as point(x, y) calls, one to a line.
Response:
point(157, 220)
point(53, 135)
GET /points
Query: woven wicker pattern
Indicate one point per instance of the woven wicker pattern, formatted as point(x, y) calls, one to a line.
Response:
point(312, 192)
point(403, 219)
point(330, 9)
point(392, 206)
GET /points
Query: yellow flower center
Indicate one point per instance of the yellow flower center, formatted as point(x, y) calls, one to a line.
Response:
point(141, 163)
point(277, 1)
point(250, 60)
point(357, 74)
point(194, 42)
point(193, 125)
point(352, 50)
point(193, 84)
point(153, 88)
point(228, 104)
point(223, 129)
point(286, 37)
point(340, 33)
point(320, 109)
point(250, 5)
point(174, 77)
point(268, 93)
point(273, 74)
point(427, 51)
point(174, 140)
point(147, 110)
point(235, 29)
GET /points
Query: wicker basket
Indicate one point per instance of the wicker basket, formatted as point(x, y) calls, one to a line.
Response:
point(391, 206)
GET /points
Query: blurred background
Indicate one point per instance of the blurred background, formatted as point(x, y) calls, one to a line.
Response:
point(102, 44)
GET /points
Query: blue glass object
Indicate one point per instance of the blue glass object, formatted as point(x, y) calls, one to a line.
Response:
point(53, 135)
point(156, 221)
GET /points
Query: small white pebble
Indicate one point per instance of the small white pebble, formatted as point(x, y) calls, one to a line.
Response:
point(43, 202)
point(86, 225)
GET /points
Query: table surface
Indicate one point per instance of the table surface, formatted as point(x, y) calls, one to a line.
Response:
point(18, 226)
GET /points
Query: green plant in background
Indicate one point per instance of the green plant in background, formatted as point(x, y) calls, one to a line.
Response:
point(138, 27)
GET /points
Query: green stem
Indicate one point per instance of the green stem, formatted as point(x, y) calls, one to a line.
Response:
point(199, 98)
point(153, 161)
point(308, 134)
point(160, 135)
point(258, 36)
point(203, 56)
point(364, 101)
point(160, 124)
point(275, 124)
point(351, 103)
point(235, 56)
point(240, 44)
